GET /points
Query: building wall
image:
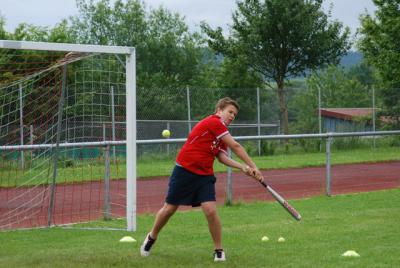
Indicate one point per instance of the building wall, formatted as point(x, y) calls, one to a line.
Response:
point(339, 125)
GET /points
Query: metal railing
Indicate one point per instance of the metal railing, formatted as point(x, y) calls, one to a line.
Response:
point(328, 136)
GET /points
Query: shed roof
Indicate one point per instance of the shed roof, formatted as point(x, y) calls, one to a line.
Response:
point(346, 113)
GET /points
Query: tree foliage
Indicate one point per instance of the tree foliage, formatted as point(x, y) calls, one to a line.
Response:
point(235, 78)
point(168, 55)
point(379, 42)
point(281, 39)
point(15, 64)
point(3, 33)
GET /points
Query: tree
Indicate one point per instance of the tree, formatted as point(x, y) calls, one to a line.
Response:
point(61, 33)
point(101, 23)
point(363, 72)
point(168, 55)
point(234, 73)
point(281, 39)
point(12, 59)
point(235, 77)
point(379, 42)
point(3, 32)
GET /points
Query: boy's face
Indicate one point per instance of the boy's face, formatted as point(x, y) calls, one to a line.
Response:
point(227, 114)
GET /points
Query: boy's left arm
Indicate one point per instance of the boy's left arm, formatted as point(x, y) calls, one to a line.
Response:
point(226, 160)
point(242, 154)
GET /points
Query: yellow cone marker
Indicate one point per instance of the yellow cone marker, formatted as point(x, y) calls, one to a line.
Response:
point(127, 239)
point(350, 253)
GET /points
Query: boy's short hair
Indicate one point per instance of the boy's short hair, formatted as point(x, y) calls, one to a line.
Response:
point(222, 103)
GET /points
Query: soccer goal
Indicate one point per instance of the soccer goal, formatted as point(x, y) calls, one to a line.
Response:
point(67, 134)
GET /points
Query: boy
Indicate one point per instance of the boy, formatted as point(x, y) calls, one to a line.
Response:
point(192, 181)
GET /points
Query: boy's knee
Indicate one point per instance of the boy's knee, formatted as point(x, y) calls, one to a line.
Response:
point(169, 210)
point(210, 212)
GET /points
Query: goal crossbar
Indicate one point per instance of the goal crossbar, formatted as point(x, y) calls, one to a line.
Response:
point(65, 47)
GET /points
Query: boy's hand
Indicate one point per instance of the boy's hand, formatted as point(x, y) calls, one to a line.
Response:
point(247, 170)
point(257, 175)
point(252, 172)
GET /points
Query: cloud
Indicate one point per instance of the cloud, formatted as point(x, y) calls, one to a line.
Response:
point(215, 12)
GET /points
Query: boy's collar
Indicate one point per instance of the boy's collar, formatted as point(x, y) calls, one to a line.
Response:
point(220, 118)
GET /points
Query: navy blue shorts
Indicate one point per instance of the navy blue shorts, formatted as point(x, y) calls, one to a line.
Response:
point(187, 188)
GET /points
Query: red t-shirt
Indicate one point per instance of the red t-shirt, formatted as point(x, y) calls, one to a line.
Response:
point(202, 146)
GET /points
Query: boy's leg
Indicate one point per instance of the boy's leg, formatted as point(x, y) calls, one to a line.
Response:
point(162, 218)
point(214, 223)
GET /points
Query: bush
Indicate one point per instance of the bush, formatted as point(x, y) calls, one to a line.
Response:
point(310, 145)
point(268, 147)
point(347, 143)
point(251, 147)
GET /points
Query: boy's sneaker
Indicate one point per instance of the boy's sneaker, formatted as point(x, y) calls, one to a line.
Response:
point(146, 246)
point(219, 255)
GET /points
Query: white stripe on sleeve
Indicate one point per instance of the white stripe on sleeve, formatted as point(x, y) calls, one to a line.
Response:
point(225, 152)
point(223, 134)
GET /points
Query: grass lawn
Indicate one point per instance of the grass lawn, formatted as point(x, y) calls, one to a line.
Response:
point(367, 223)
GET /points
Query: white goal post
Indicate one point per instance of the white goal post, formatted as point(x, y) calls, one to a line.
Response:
point(130, 85)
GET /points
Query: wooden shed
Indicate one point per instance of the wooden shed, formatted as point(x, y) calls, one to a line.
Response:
point(346, 119)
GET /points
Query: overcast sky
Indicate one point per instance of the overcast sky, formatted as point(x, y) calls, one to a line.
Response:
point(215, 12)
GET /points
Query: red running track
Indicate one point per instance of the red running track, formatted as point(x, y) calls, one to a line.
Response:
point(85, 201)
point(294, 183)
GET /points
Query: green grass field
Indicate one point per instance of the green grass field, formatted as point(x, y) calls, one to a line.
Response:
point(365, 222)
point(94, 169)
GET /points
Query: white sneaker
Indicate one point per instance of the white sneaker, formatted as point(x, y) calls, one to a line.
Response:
point(146, 246)
point(219, 255)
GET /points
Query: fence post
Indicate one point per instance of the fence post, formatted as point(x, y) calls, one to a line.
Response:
point(328, 165)
point(107, 183)
point(319, 117)
point(113, 122)
point(279, 127)
point(31, 137)
point(373, 116)
point(168, 127)
point(229, 182)
point(258, 121)
point(21, 125)
point(188, 110)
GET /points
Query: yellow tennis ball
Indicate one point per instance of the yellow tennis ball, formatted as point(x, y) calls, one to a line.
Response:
point(166, 133)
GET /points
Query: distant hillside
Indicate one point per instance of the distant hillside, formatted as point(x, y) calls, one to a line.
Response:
point(352, 58)
point(348, 60)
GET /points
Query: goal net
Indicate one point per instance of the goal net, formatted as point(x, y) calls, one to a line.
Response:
point(67, 134)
